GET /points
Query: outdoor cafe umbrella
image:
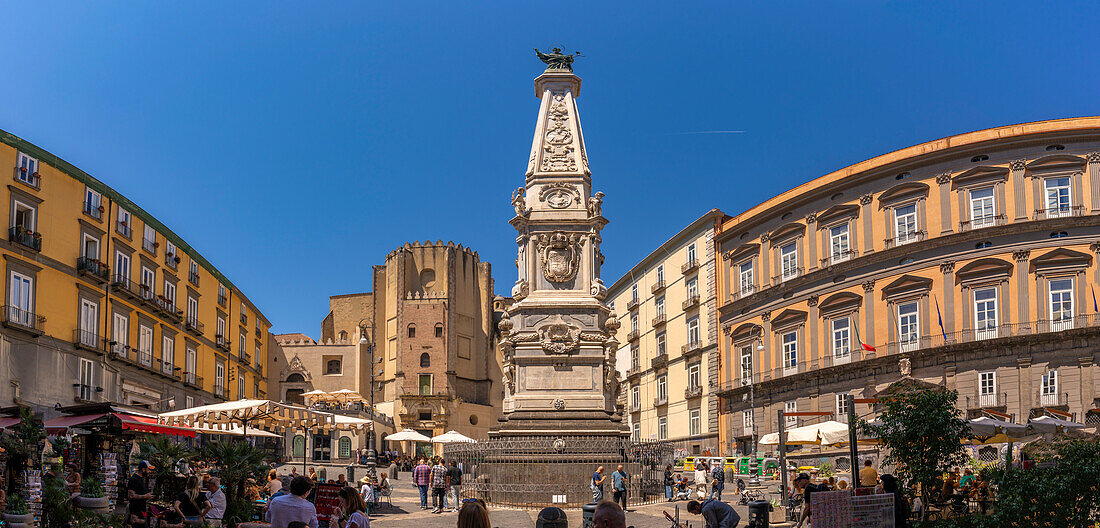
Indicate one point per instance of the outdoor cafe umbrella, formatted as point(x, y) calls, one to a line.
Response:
point(316, 395)
point(986, 430)
point(826, 433)
point(408, 435)
point(451, 437)
point(1050, 424)
point(346, 395)
point(236, 430)
point(260, 414)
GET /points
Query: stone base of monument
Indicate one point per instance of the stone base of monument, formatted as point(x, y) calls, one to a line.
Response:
point(534, 460)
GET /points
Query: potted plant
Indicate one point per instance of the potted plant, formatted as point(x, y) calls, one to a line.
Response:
point(91, 496)
point(16, 513)
point(101, 209)
point(177, 260)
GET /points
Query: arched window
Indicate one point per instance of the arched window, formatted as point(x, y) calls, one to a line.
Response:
point(412, 330)
point(439, 329)
point(295, 378)
point(343, 335)
point(425, 360)
point(343, 447)
point(332, 366)
point(299, 444)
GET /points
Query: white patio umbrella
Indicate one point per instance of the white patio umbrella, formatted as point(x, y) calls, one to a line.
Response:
point(346, 395)
point(316, 395)
point(452, 437)
point(408, 435)
point(769, 439)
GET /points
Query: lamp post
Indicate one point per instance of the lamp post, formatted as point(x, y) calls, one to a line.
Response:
point(754, 464)
point(372, 454)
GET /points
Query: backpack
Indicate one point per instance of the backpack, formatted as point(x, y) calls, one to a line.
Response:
point(719, 473)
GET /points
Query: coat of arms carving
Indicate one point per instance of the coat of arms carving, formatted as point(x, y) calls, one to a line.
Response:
point(560, 256)
point(559, 338)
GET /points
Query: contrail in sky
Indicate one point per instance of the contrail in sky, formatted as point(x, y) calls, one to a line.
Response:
point(708, 132)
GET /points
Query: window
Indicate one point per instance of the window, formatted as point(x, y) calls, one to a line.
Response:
point(122, 225)
point(1057, 192)
point(87, 380)
point(120, 327)
point(147, 286)
point(412, 330)
point(170, 257)
point(425, 360)
point(662, 427)
point(299, 446)
point(90, 248)
point(693, 330)
point(908, 328)
point(89, 323)
point(149, 240)
point(981, 207)
point(744, 271)
point(636, 398)
point(1059, 234)
point(695, 376)
point(839, 243)
point(145, 345)
point(1061, 304)
point(746, 419)
point(194, 273)
point(221, 328)
point(425, 416)
point(189, 402)
point(788, 258)
point(693, 287)
point(189, 362)
point(241, 384)
point(244, 314)
point(662, 388)
point(219, 378)
point(21, 299)
point(660, 274)
point(634, 361)
point(1048, 392)
point(841, 405)
point(343, 449)
point(694, 423)
point(987, 389)
point(661, 349)
point(842, 339)
point(192, 311)
point(170, 292)
point(985, 313)
point(983, 244)
point(636, 431)
point(791, 407)
point(93, 202)
point(222, 296)
point(660, 304)
point(905, 224)
point(634, 323)
point(23, 216)
point(691, 252)
point(27, 170)
point(425, 384)
point(242, 345)
point(439, 330)
point(790, 352)
point(634, 293)
point(168, 353)
point(746, 365)
point(332, 366)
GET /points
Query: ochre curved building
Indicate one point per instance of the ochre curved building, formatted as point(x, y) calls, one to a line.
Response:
point(968, 261)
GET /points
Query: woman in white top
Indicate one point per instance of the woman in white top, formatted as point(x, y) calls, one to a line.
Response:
point(352, 511)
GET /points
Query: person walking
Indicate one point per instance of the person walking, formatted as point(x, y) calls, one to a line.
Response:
point(216, 497)
point(422, 475)
point(619, 480)
point(670, 481)
point(293, 507)
point(716, 514)
point(454, 476)
point(700, 489)
point(718, 476)
point(439, 486)
point(868, 477)
point(598, 478)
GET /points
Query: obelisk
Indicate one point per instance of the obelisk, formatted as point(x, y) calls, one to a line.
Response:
point(558, 337)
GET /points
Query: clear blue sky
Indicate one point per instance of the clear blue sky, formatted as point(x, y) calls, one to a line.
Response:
point(296, 143)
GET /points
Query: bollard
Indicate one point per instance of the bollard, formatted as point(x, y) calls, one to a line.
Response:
point(587, 512)
point(758, 514)
point(350, 469)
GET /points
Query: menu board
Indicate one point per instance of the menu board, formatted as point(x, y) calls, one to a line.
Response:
point(831, 509)
point(327, 501)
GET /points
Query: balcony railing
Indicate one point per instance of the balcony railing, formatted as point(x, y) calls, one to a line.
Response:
point(634, 370)
point(244, 319)
point(694, 391)
point(93, 210)
point(692, 300)
point(659, 320)
point(24, 175)
point(149, 245)
point(1051, 399)
point(123, 228)
point(633, 335)
point(222, 299)
point(190, 378)
point(839, 256)
point(635, 406)
point(221, 342)
point(25, 237)
point(193, 325)
point(745, 291)
point(171, 260)
point(632, 304)
point(85, 393)
point(245, 358)
point(193, 277)
point(659, 361)
point(689, 265)
point(219, 391)
point(982, 221)
point(691, 346)
point(1059, 212)
point(659, 401)
point(787, 275)
point(89, 340)
point(658, 286)
point(93, 268)
point(905, 238)
point(15, 317)
point(167, 307)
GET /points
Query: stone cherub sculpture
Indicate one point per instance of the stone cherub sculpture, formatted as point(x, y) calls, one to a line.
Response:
point(519, 202)
point(595, 204)
point(556, 60)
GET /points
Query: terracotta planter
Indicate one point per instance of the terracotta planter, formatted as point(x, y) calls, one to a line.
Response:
point(18, 520)
point(95, 504)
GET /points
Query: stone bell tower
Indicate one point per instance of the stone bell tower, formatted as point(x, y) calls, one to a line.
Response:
point(557, 340)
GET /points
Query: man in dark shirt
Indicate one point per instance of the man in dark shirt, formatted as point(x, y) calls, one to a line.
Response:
point(802, 485)
point(137, 489)
point(716, 514)
point(454, 475)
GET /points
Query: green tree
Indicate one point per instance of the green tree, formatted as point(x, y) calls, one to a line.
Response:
point(163, 452)
point(923, 432)
point(234, 462)
point(23, 444)
point(1063, 494)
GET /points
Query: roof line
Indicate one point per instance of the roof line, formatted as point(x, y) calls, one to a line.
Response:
point(663, 248)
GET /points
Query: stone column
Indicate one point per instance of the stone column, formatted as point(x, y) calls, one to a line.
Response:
point(765, 268)
point(948, 270)
point(1094, 181)
point(868, 333)
point(944, 181)
point(868, 227)
point(815, 353)
point(1019, 191)
point(811, 242)
point(1022, 301)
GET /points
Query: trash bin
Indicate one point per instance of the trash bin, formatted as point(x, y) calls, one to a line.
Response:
point(587, 512)
point(350, 472)
point(758, 514)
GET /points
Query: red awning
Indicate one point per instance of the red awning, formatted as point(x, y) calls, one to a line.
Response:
point(8, 422)
point(146, 424)
point(59, 425)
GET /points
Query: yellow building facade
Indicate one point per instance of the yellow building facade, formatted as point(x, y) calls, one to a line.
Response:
point(968, 262)
point(103, 303)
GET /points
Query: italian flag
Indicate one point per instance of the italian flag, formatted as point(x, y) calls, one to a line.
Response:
point(865, 346)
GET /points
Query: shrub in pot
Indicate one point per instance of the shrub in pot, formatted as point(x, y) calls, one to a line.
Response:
point(16, 513)
point(91, 496)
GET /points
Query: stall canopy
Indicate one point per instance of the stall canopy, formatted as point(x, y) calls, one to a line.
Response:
point(7, 422)
point(346, 395)
point(826, 433)
point(249, 414)
point(148, 424)
point(63, 423)
point(449, 437)
point(238, 431)
point(407, 435)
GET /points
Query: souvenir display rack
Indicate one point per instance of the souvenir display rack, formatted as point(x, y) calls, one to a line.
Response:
point(108, 475)
point(32, 492)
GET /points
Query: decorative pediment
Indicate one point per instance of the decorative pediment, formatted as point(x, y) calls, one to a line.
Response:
point(741, 252)
point(1056, 161)
point(788, 317)
point(984, 268)
point(745, 332)
point(1060, 259)
point(906, 385)
point(295, 366)
point(902, 191)
point(836, 213)
point(980, 174)
point(840, 301)
point(787, 231)
point(906, 284)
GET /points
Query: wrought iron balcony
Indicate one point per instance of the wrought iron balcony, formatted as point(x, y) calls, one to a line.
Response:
point(123, 285)
point(689, 265)
point(90, 340)
point(632, 304)
point(633, 335)
point(86, 393)
point(691, 347)
point(633, 371)
point(219, 391)
point(92, 268)
point(123, 228)
point(904, 238)
point(659, 320)
point(244, 319)
point(659, 361)
point(171, 260)
point(245, 358)
point(222, 299)
point(981, 221)
point(222, 342)
point(24, 175)
point(658, 286)
point(190, 378)
point(194, 278)
point(692, 300)
point(18, 318)
point(193, 325)
point(149, 245)
point(693, 392)
point(839, 256)
point(25, 237)
point(93, 210)
point(1059, 212)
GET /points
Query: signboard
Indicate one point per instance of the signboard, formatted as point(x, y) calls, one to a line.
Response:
point(327, 500)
